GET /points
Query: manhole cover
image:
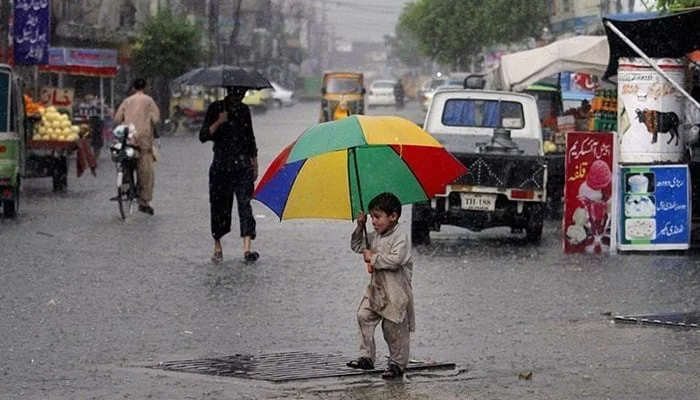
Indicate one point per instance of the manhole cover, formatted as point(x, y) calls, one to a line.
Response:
point(282, 367)
point(683, 320)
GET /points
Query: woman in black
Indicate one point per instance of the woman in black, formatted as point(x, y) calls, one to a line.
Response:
point(234, 168)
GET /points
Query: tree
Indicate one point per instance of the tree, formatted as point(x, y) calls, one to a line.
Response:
point(675, 5)
point(167, 46)
point(404, 47)
point(454, 31)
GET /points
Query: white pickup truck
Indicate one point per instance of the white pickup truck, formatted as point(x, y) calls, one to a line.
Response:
point(498, 137)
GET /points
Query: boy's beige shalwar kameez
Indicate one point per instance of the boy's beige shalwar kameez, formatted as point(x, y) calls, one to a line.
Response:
point(389, 296)
point(140, 109)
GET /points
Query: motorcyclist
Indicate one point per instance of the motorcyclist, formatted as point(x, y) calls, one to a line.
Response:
point(398, 93)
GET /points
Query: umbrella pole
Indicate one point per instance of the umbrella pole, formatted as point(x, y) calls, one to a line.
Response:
point(359, 193)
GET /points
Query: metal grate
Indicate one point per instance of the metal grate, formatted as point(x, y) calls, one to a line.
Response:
point(682, 320)
point(283, 367)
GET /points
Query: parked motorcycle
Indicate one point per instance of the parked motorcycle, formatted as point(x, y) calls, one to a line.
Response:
point(191, 120)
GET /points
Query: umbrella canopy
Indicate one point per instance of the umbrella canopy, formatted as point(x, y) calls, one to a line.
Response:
point(222, 76)
point(658, 36)
point(334, 169)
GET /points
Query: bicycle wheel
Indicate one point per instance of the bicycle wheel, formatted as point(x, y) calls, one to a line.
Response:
point(121, 196)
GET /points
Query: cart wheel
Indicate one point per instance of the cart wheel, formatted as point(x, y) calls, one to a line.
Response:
point(10, 207)
point(60, 174)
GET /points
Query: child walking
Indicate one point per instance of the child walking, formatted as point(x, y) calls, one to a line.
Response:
point(388, 297)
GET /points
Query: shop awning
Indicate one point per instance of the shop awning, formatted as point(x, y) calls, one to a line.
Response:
point(656, 35)
point(79, 61)
point(587, 54)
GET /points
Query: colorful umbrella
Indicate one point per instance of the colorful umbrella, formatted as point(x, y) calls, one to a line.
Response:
point(334, 169)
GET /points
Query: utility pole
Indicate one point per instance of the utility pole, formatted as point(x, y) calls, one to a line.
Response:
point(324, 36)
point(213, 32)
point(5, 10)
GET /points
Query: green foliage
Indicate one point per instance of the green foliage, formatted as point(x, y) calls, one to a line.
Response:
point(676, 4)
point(167, 46)
point(453, 31)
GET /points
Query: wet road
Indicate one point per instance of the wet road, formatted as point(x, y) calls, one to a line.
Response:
point(88, 301)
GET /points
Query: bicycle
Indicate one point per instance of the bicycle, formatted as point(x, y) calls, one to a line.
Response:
point(125, 157)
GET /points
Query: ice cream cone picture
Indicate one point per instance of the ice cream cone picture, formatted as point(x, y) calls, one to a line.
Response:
point(590, 220)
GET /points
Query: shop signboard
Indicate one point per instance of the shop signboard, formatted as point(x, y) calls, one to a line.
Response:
point(654, 207)
point(30, 32)
point(589, 192)
point(60, 98)
point(81, 61)
point(650, 111)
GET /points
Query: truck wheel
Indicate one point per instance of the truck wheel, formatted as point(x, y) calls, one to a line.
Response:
point(420, 232)
point(535, 224)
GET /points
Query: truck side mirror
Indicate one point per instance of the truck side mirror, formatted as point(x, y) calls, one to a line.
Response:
point(364, 91)
point(323, 90)
point(474, 81)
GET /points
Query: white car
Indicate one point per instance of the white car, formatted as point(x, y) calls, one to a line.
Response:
point(281, 97)
point(381, 93)
point(428, 89)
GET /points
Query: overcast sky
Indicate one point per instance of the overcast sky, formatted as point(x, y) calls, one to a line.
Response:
point(363, 20)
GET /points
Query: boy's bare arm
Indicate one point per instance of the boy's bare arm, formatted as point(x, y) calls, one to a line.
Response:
point(357, 242)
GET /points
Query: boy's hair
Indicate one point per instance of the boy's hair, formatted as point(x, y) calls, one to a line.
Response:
point(139, 83)
point(386, 202)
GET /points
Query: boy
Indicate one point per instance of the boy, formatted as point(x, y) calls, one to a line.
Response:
point(388, 297)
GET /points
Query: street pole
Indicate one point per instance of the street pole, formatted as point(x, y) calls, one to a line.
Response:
point(5, 10)
point(324, 37)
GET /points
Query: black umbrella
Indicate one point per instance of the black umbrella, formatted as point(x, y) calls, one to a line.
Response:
point(222, 76)
point(672, 35)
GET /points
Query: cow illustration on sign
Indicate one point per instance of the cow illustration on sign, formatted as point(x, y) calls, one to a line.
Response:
point(659, 122)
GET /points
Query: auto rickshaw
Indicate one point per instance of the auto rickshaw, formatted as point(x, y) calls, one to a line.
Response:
point(12, 140)
point(342, 95)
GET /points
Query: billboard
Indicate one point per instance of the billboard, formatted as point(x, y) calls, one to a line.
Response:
point(654, 207)
point(588, 192)
point(30, 32)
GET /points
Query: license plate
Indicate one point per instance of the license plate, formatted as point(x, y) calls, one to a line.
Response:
point(478, 202)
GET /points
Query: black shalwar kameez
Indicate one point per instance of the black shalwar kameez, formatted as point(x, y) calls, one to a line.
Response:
point(231, 170)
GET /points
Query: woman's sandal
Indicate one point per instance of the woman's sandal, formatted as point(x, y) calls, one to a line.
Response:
point(251, 256)
point(218, 257)
point(361, 363)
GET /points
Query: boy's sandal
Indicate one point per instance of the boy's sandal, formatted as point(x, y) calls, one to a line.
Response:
point(361, 363)
point(218, 257)
point(251, 256)
point(393, 371)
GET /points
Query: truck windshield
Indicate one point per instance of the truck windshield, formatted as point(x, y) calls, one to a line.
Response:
point(483, 113)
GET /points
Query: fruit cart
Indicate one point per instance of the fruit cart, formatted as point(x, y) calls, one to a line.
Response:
point(51, 139)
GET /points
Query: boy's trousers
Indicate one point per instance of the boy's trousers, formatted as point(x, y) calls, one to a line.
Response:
point(395, 335)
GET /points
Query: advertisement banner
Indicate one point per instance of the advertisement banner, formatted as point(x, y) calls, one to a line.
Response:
point(30, 32)
point(588, 192)
point(655, 207)
point(82, 61)
point(650, 111)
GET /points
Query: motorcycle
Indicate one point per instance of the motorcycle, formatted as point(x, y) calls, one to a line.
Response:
point(188, 118)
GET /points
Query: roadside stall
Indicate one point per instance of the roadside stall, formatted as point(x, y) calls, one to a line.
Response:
point(657, 177)
point(58, 127)
point(565, 67)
